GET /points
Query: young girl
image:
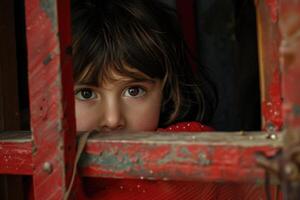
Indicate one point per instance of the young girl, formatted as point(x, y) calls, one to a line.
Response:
point(131, 74)
point(130, 71)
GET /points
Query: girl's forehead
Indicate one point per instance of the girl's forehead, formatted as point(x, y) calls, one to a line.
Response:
point(130, 76)
point(95, 75)
point(111, 74)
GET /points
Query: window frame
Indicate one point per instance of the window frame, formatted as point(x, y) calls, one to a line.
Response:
point(49, 153)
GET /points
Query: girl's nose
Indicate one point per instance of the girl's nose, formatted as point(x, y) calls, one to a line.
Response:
point(112, 118)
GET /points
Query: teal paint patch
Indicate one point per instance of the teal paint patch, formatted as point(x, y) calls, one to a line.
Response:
point(203, 160)
point(296, 110)
point(185, 151)
point(49, 7)
point(112, 161)
point(172, 157)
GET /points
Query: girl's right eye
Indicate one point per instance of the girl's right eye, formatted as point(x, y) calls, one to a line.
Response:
point(85, 94)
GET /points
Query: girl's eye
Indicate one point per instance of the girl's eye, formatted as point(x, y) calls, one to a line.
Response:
point(134, 92)
point(85, 94)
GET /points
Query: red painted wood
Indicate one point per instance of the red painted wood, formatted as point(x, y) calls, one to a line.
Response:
point(51, 96)
point(273, 9)
point(290, 62)
point(64, 19)
point(270, 74)
point(206, 157)
point(290, 28)
point(16, 153)
point(180, 157)
point(272, 109)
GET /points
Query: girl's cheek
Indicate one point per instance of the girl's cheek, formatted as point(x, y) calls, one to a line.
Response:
point(143, 115)
point(149, 123)
point(86, 120)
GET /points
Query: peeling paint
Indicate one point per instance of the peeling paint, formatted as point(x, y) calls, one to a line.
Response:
point(110, 161)
point(272, 109)
point(52, 121)
point(273, 9)
point(49, 7)
point(173, 156)
point(203, 159)
point(184, 151)
point(48, 59)
point(15, 157)
point(296, 110)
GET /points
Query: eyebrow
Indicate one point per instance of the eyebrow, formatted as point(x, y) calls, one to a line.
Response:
point(135, 80)
point(127, 80)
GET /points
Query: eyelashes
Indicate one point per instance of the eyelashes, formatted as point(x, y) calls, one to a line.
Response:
point(135, 91)
point(86, 93)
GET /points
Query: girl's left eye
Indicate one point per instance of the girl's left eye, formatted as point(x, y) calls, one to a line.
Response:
point(134, 92)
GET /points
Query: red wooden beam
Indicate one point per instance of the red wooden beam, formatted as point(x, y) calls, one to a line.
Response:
point(290, 62)
point(48, 34)
point(182, 156)
point(16, 153)
point(270, 74)
point(208, 157)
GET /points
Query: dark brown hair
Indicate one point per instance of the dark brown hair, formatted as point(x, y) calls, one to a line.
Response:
point(116, 35)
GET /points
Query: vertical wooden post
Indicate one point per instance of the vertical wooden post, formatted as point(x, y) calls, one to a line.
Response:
point(48, 30)
point(270, 76)
point(290, 63)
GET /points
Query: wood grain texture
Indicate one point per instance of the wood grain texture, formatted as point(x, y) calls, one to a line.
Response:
point(269, 67)
point(181, 156)
point(51, 96)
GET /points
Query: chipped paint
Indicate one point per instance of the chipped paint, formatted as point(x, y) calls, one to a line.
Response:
point(272, 109)
point(296, 110)
point(51, 95)
point(47, 60)
point(273, 9)
point(49, 6)
point(270, 74)
point(209, 158)
point(117, 162)
point(203, 159)
point(172, 156)
point(290, 57)
point(15, 154)
point(288, 164)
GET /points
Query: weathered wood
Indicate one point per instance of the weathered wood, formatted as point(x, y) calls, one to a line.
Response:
point(48, 30)
point(190, 156)
point(16, 153)
point(290, 62)
point(270, 75)
point(185, 156)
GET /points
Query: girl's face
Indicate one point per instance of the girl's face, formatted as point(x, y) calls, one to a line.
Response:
point(124, 104)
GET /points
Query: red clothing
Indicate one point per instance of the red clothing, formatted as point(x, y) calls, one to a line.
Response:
point(124, 189)
point(186, 126)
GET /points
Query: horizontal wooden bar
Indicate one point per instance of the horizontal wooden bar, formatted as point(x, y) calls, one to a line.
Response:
point(16, 153)
point(219, 156)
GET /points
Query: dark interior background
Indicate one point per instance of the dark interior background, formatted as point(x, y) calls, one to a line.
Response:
point(14, 104)
point(222, 34)
point(14, 115)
